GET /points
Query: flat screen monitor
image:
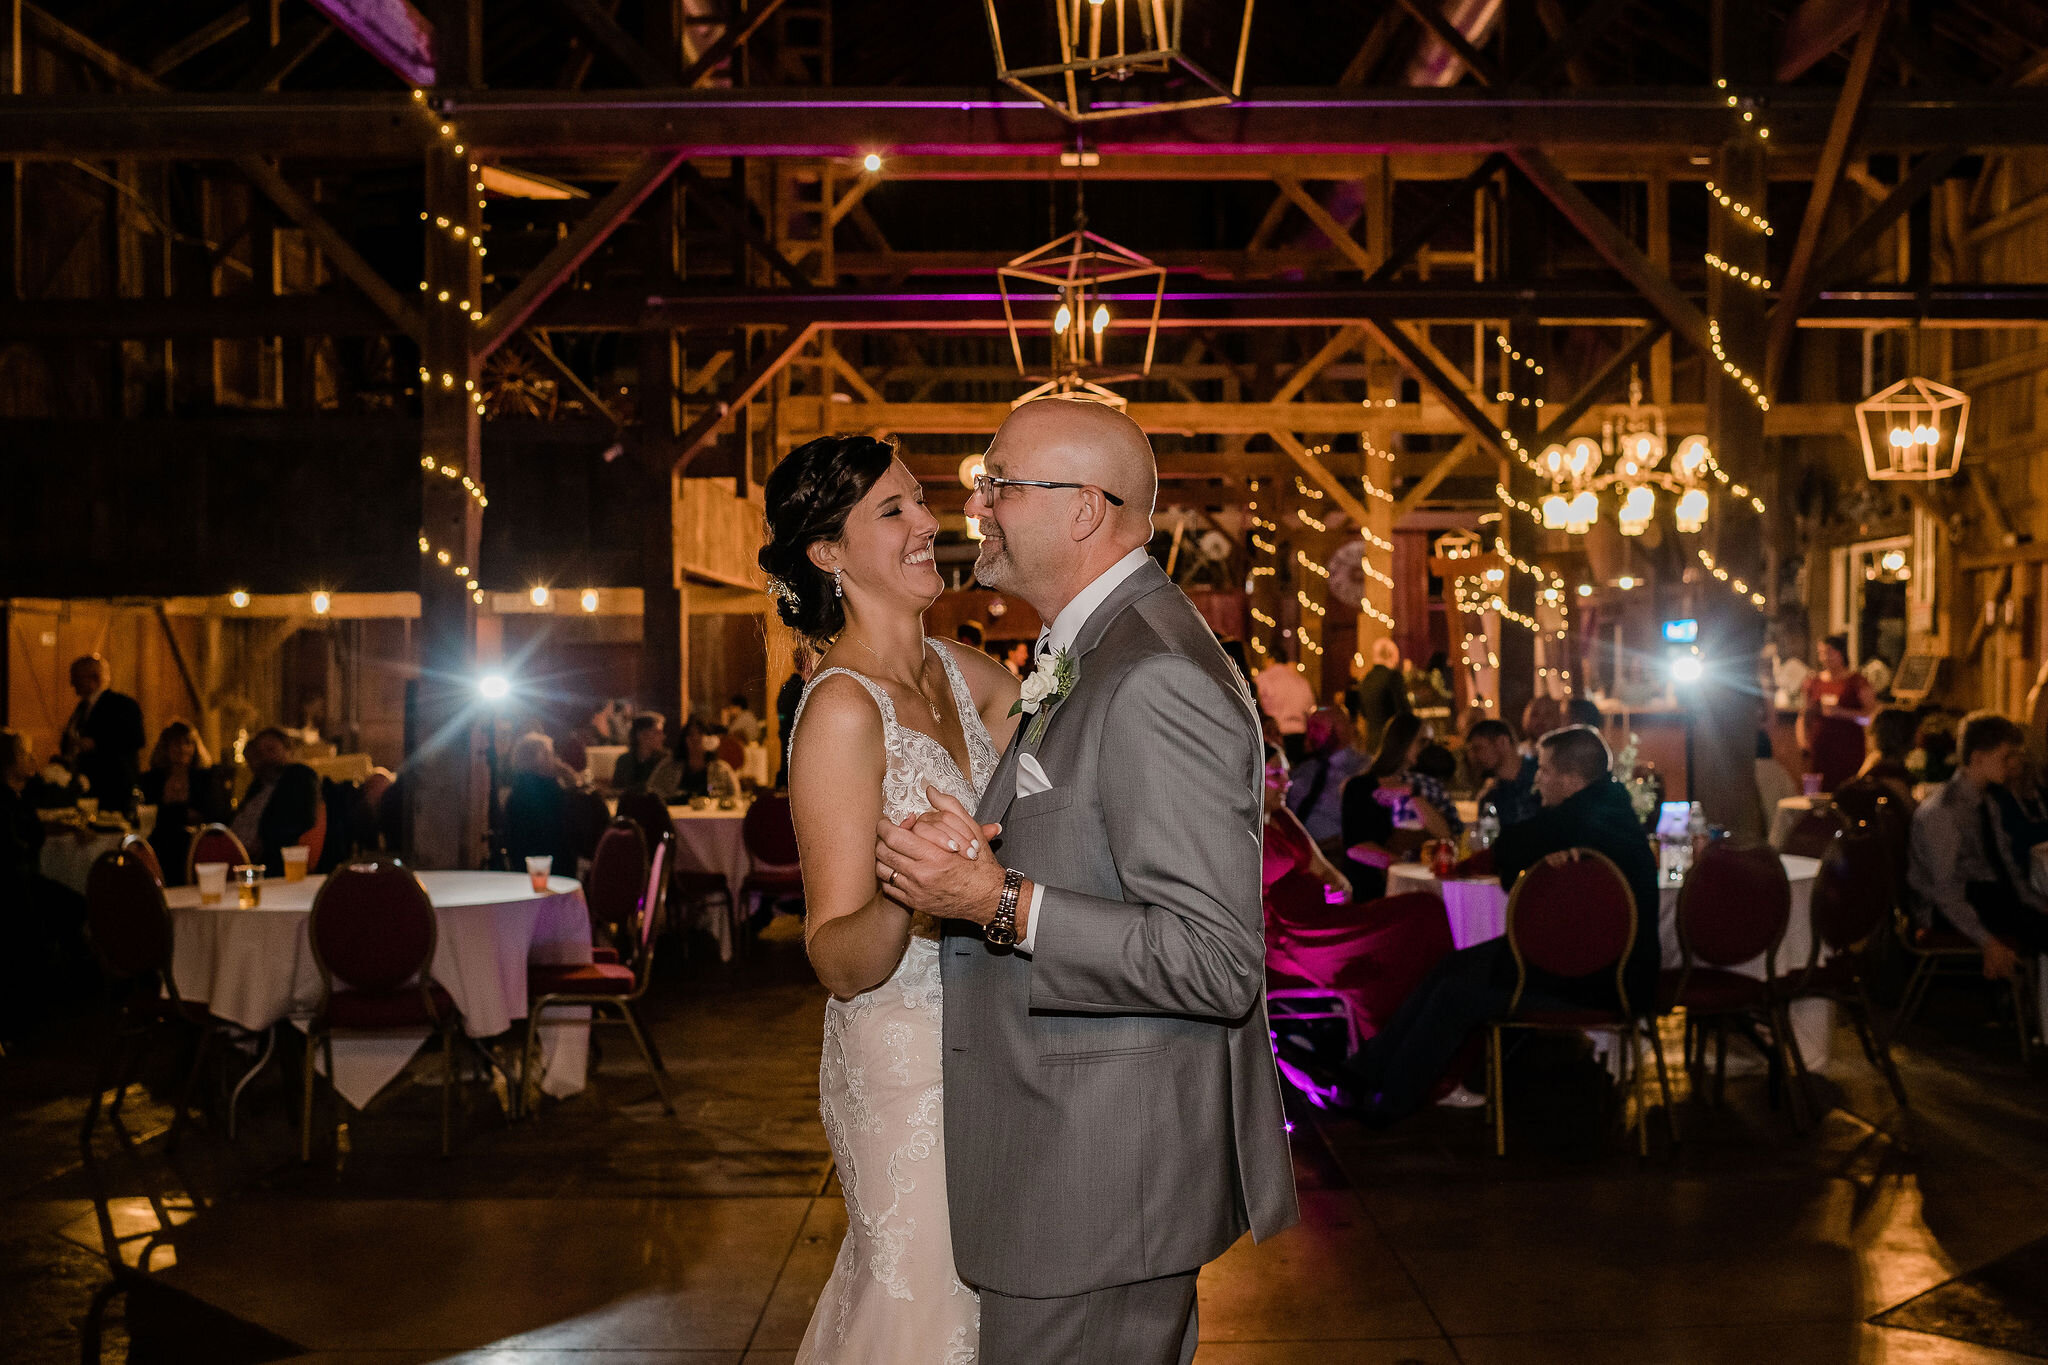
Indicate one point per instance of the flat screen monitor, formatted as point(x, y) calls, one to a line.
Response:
point(1682, 632)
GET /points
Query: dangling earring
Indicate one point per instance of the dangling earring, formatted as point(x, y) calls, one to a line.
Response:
point(838, 588)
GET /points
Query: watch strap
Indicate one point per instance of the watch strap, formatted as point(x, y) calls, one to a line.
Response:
point(1002, 930)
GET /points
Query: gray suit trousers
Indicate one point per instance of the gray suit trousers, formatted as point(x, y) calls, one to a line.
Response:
point(1151, 1322)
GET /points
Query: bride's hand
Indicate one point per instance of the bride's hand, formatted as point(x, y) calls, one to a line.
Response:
point(951, 826)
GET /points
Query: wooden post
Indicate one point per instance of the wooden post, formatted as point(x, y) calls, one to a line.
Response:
point(445, 796)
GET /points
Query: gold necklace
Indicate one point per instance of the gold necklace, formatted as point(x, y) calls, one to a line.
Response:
point(923, 666)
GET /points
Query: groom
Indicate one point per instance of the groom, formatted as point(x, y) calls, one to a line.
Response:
point(1113, 1114)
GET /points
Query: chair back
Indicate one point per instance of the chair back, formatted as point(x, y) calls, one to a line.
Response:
point(1816, 833)
point(586, 818)
point(1572, 919)
point(1852, 894)
point(618, 874)
point(125, 912)
point(649, 812)
point(372, 927)
point(1734, 905)
point(732, 752)
point(769, 833)
point(139, 846)
point(652, 905)
point(215, 843)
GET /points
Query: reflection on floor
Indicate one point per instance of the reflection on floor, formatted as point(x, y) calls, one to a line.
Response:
point(602, 1231)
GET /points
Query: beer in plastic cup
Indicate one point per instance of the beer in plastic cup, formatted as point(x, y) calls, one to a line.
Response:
point(213, 882)
point(248, 878)
point(1810, 783)
point(537, 868)
point(295, 862)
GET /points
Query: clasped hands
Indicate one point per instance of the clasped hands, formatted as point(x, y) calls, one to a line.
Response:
point(939, 862)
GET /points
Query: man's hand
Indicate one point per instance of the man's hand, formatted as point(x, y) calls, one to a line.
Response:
point(924, 865)
point(2000, 961)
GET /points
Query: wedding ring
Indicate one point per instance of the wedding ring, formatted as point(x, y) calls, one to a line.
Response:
point(892, 876)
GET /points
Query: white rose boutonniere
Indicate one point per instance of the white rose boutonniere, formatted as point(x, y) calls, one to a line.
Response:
point(1046, 688)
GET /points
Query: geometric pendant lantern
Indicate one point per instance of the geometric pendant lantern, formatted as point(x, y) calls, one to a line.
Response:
point(1913, 430)
point(1081, 266)
point(1107, 59)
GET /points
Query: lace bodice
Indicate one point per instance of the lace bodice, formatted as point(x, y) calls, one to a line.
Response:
point(914, 759)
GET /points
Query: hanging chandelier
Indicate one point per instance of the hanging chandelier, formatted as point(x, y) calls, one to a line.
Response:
point(1913, 430)
point(1079, 265)
point(1116, 58)
point(1633, 445)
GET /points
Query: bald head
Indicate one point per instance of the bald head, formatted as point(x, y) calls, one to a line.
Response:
point(1047, 528)
point(1079, 441)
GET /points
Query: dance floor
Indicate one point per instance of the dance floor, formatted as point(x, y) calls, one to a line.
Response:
point(605, 1233)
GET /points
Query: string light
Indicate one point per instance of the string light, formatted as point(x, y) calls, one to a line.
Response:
point(1735, 585)
point(1310, 521)
point(461, 571)
point(1312, 494)
point(449, 472)
point(1729, 367)
point(1733, 272)
point(1260, 545)
point(1744, 214)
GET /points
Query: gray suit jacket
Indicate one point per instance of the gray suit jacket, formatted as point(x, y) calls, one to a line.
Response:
point(1112, 1107)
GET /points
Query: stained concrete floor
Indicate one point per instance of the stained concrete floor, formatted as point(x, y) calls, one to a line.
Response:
point(603, 1232)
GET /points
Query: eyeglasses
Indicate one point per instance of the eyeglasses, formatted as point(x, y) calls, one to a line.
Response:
point(985, 485)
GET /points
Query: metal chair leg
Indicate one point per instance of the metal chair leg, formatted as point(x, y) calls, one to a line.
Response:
point(1638, 1086)
point(1496, 1091)
point(327, 1051)
point(1720, 1063)
point(182, 1113)
point(1663, 1082)
point(306, 1103)
point(448, 1064)
point(653, 1070)
point(1798, 1084)
point(262, 1060)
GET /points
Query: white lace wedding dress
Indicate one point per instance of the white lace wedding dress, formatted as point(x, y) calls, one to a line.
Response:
point(893, 1298)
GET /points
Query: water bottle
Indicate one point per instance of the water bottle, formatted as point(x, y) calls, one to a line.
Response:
point(1486, 830)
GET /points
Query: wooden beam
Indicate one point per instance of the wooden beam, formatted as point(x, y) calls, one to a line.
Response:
point(1814, 29)
point(1614, 246)
point(331, 243)
point(1433, 378)
point(609, 38)
point(1446, 465)
point(1347, 339)
point(844, 368)
point(1448, 207)
point(197, 41)
point(299, 42)
point(65, 38)
point(538, 340)
point(1834, 157)
point(1325, 480)
point(1327, 225)
point(559, 264)
point(1927, 172)
point(1433, 18)
point(737, 219)
point(392, 31)
point(1560, 423)
point(780, 351)
point(728, 42)
point(2032, 552)
point(1566, 48)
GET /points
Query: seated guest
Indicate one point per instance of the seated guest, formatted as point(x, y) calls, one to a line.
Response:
point(1542, 715)
point(1316, 791)
point(1289, 849)
point(740, 721)
point(1506, 776)
point(1415, 800)
point(187, 791)
point(1583, 807)
point(971, 634)
point(1381, 694)
point(1584, 711)
point(282, 804)
point(537, 808)
point(1888, 740)
point(684, 773)
point(646, 745)
point(41, 921)
point(1960, 869)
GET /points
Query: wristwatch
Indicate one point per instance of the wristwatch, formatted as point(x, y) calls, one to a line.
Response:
point(1002, 930)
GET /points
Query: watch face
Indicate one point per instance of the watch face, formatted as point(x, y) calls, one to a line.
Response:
point(1001, 934)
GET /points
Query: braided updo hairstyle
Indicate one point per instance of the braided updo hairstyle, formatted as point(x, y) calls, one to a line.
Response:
point(809, 496)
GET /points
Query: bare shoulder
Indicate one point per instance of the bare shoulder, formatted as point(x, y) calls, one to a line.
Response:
point(841, 727)
point(987, 680)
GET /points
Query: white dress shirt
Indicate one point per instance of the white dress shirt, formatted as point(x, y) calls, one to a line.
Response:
point(1060, 635)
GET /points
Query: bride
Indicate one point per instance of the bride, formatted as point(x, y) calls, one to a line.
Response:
point(888, 717)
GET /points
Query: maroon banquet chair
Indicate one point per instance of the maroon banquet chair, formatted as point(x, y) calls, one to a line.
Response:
point(617, 879)
point(1576, 919)
point(608, 989)
point(373, 933)
point(139, 846)
point(770, 836)
point(1853, 897)
point(214, 843)
point(1816, 832)
point(130, 928)
point(1733, 908)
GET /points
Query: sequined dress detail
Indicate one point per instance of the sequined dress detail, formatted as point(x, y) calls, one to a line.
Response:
point(893, 1298)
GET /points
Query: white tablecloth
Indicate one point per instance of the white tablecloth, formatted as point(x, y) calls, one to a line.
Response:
point(600, 760)
point(1477, 910)
point(67, 859)
point(255, 967)
point(711, 841)
point(1790, 812)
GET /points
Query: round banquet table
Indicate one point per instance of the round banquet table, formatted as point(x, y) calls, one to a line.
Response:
point(67, 858)
point(1477, 909)
point(712, 840)
point(255, 967)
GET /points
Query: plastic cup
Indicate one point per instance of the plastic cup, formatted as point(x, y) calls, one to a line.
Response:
point(88, 806)
point(295, 862)
point(537, 869)
point(1810, 783)
point(212, 879)
point(248, 879)
point(145, 820)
